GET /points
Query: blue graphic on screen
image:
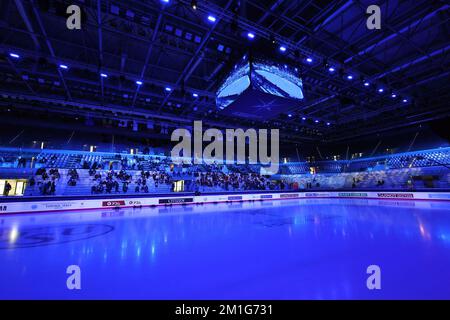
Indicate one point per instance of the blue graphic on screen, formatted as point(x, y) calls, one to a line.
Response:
point(236, 83)
point(263, 76)
point(277, 80)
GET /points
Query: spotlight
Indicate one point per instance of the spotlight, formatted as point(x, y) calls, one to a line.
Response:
point(316, 121)
point(14, 55)
point(251, 35)
point(165, 1)
point(63, 66)
point(303, 118)
point(168, 89)
point(103, 75)
point(290, 115)
point(393, 95)
point(195, 95)
point(331, 69)
point(309, 60)
point(283, 49)
point(194, 4)
point(381, 90)
point(212, 18)
point(139, 82)
point(366, 84)
point(328, 123)
point(349, 77)
point(405, 100)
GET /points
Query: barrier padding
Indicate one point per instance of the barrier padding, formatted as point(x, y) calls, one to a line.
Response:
point(92, 204)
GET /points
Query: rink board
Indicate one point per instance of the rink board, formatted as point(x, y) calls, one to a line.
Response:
point(22, 205)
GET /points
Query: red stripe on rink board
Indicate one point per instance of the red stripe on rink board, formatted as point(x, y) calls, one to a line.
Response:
point(212, 202)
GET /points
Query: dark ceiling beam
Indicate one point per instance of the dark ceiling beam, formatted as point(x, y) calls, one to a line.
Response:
point(334, 14)
point(383, 74)
point(384, 126)
point(20, 74)
point(110, 71)
point(149, 53)
point(413, 62)
point(286, 10)
point(140, 115)
point(80, 83)
point(107, 30)
point(294, 25)
point(403, 89)
point(171, 18)
point(269, 12)
point(100, 43)
point(49, 46)
point(399, 34)
point(394, 35)
point(196, 58)
point(28, 24)
point(119, 56)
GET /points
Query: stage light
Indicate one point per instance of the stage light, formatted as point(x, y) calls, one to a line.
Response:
point(165, 1)
point(309, 60)
point(328, 123)
point(405, 100)
point(212, 18)
point(303, 118)
point(349, 77)
point(316, 121)
point(251, 35)
point(381, 90)
point(14, 55)
point(331, 69)
point(283, 49)
point(194, 4)
point(393, 95)
point(195, 95)
point(290, 115)
point(168, 89)
point(366, 84)
point(139, 83)
point(103, 75)
point(63, 66)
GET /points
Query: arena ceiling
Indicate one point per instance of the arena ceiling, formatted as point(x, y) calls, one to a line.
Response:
point(180, 56)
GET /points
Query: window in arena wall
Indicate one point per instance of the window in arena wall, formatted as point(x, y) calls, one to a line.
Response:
point(17, 186)
point(178, 186)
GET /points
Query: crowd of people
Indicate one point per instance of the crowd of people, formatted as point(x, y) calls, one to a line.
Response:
point(119, 181)
point(45, 180)
point(73, 177)
point(236, 181)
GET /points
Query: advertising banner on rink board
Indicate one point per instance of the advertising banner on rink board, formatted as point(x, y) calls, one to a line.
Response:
point(22, 205)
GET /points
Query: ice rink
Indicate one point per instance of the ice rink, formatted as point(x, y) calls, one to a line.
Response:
point(290, 249)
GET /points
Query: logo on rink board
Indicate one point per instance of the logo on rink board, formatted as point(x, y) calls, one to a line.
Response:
point(289, 195)
point(352, 194)
point(3, 208)
point(115, 203)
point(396, 195)
point(176, 200)
point(314, 194)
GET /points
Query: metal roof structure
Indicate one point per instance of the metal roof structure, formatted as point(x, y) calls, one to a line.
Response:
point(162, 60)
